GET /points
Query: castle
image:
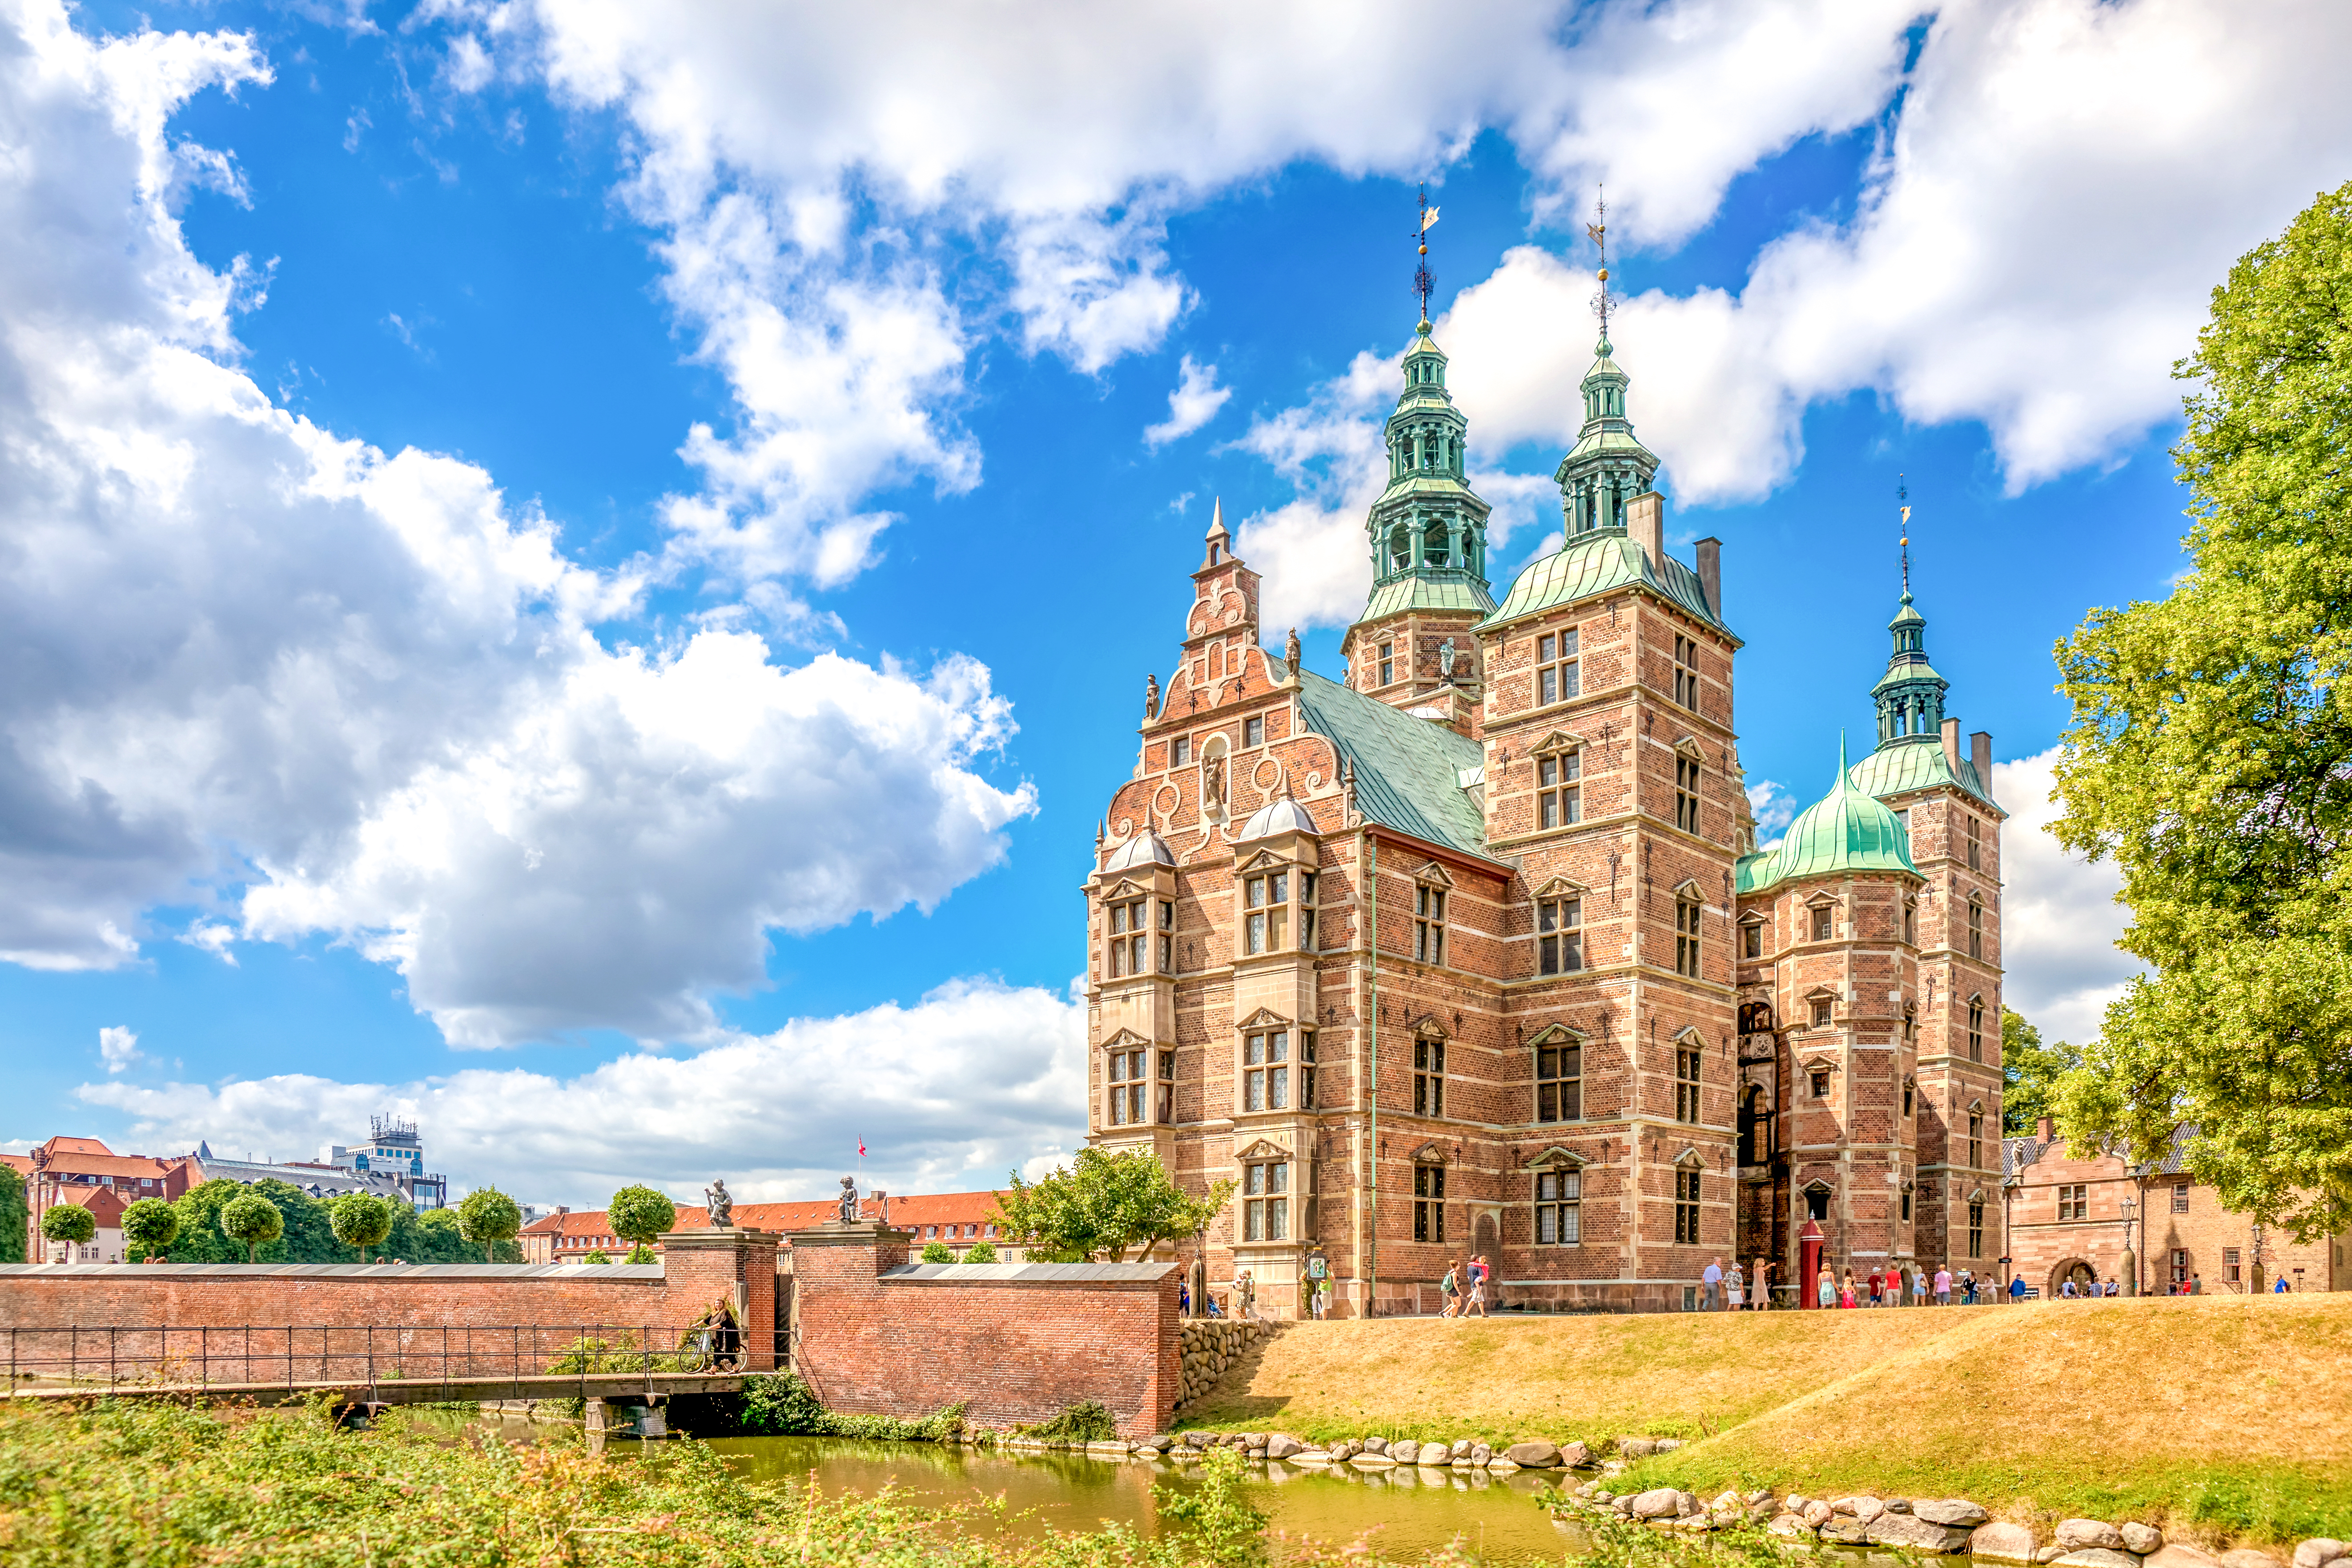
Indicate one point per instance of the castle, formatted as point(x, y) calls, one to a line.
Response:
point(1472, 951)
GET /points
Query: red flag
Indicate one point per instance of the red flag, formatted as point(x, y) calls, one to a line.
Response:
point(861, 1148)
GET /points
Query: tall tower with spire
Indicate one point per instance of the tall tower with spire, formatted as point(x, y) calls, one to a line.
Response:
point(1427, 533)
point(1607, 467)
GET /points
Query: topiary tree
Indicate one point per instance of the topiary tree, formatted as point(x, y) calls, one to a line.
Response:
point(487, 1216)
point(981, 1252)
point(639, 1214)
point(149, 1226)
point(937, 1252)
point(252, 1222)
point(71, 1223)
point(596, 1256)
point(641, 1253)
point(361, 1220)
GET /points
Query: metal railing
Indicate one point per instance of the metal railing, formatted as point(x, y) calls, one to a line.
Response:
point(259, 1358)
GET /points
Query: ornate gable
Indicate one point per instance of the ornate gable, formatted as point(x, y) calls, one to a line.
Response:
point(1557, 741)
point(1433, 874)
point(1123, 1039)
point(1556, 1156)
point(1554, 1035)
point(1264, 1018)
point(1260, 1149)
point(1688, 746)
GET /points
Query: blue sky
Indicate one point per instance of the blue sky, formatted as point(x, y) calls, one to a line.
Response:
point(584, 573)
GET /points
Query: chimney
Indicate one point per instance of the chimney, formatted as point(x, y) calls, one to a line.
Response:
point(2047, 1130)
point(1710, 574)
point(1980, 753)
point(1645, 521)
point(1952, 745)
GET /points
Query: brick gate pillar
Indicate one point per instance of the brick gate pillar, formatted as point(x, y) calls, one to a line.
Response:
point(837, 1285)
point(704, 1268)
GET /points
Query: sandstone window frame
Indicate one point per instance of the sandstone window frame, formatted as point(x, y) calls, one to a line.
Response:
point(1910, 1094)
point(1387, 660)
point(1129, 1099)
point(1560, 794)
point(1690, 1075)
point(1976, 926)
point(1558, 673)
point(1687, 672)
point(1751, 935)
point(1910, 920)
point(1264, 1079)
point(2073, 1199)
point(1976, 1201)
point(1976, 1134)
point(1266, 1198)
point(1254, 729)
point(1429, 1073)
point(1690, 903)
point(1180, 752)
point(1976, 1028)
point(1559, 927)
point(1126, 935)
point(1429, 920)
point(1688, 1195)
point(1557, 1061)
point(1266, 923)
point(1558, 1187)
point(1428, 1201)
point(1975, 843)
point(1907, 1187)
point(1689, 777)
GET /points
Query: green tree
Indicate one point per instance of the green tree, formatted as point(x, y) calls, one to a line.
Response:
point(148, 1227)
point(2029, 1071)
point(2210, 756)
point(596, 1255)
point(937, 1252)
point(251, 1221)
point(71, 1223)
point(1104, 1204)
point(361, 1220)
point(639, 1214)
point(981, 1252)
point(487, 1216)
point(16, 1216)
point(641, 1253)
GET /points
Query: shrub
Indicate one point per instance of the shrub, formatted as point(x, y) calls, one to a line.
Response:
point(361, 1220)
point(251, 1221)
point(148, 1227)
point(1085, 1422)
point(981, 1252)
point(596, 1256)
point(641, 1253)
point(68, 1223)
point(778, 1405)
point(937, 1252)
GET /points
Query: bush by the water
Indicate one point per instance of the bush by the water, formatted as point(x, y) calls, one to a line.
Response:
point(778, 1405)
point(1085, 1422)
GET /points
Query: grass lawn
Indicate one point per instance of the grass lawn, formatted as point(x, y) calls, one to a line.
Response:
point(2214, 1416)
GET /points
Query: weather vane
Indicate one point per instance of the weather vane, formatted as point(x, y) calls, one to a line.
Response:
point(1598, 232)
point(1422, 283)
point(1902, 499)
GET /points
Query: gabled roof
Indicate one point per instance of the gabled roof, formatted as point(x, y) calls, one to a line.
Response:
point(1596, 562)
point(1414, 591)
point(1408, 770)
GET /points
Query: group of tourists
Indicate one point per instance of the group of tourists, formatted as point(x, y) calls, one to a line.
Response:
point(1737, 1290)
point(1464, 1287)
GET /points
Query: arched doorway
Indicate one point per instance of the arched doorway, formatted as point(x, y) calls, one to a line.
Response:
point(2077, 1269)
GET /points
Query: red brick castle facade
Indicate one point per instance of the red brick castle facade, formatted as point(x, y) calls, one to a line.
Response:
point(1472, 951)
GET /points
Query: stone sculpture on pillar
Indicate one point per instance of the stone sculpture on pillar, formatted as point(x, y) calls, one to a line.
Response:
point(849, 1200)
point(721, 1206)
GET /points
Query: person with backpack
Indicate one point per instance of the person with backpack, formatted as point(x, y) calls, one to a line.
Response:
point(1451, 1288)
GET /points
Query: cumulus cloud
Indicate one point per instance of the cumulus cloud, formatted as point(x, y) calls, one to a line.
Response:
point(117, 1048)
point(359, 693)
point(1193, 403)
point(975, 1079)
point(2060, 920)
point(1774, 806)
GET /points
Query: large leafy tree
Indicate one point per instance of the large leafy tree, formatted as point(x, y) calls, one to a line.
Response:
point(16, 1216)
point(638, 1214)
point(487, 1216)
point(2210, 756)
point(2030, 1072)
point(1104, 1204)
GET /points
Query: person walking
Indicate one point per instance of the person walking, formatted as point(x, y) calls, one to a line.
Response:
point(1763, 1278)
point(1318, 1275)
point(1877, 1285)
point(1826, 1287)
point(1479, 1272)
point(1846, 1293)
point(1244, 1307)
point(1451, 1288)
point(2017, 1291)
point(1943, 1286)
point(2197, 1284)
point(1712, 1279)
point(1918, 1284)
point(1736, 1286)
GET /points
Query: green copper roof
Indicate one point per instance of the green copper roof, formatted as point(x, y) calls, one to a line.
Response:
point(1599, 561)
point(1461, 591)
point(1846, 831)
point(1409, 771)
point(1914, 763)
point(1917, 670)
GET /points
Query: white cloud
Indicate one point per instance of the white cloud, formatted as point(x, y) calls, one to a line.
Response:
point(117, 1048)
point(1193, 403)
point(1774, 806)
point(948, 1094)
point(1313, 552)
point(2059, 916)
point(360, 688)
point(213, 937)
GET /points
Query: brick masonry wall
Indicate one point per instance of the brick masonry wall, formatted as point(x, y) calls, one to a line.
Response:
point(1016, 1352)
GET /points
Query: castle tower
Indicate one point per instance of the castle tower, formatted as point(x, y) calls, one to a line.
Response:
point(1607, 467)
point(1411, 645)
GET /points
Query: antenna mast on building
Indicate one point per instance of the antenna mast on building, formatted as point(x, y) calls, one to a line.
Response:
point(1423, 282)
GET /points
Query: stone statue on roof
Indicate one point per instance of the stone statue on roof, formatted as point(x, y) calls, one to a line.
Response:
point(1290, 650)
point(721, 1205)
point(1151, 696)
point(1213, 782)
point(849, 1200)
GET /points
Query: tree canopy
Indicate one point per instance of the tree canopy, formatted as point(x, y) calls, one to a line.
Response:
point(639, 1214)
point(361, 1220)
point(2211, 757)
point(250, 1219)
point(2030, 1072)
point(487, 1216)
point(148, 1227)
point(1103, 1204)
point(68, 1223)
point(16, 1216)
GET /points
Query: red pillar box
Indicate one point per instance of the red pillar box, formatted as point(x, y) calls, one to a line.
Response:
point(1809, 1268)
point(705, 1268)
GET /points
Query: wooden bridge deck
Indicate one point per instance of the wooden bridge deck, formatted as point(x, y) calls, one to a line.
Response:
point(405, 1390)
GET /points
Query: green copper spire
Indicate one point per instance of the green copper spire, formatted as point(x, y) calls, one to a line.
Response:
point(1428, 530)
point(1847, 831)
point(1910, 695)
point(1607, 466)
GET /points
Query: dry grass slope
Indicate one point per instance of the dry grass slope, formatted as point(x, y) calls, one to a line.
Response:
point(2214, 1416)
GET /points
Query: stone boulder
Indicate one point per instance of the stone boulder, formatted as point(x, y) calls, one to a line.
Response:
point(1818, 1513)
point(2002, 1543)
point(2247, 1557)
point(1865, 1509)
point(2140, 1538)
point(2089, 1534)
point(1658, 1502)
point(1636, 1448)
point(1459, 1447)
point(1789, 1527)
point(1576, 1455)
point(1668, 1445)
point(2097, 1557)
point(2320, 1552)
point(1376, 1445)
point(1912, 1533)
point(1405, 1451)
point(1846, 1528)
point(1533, 1455)
point(1480, 1453)
point(2173, 1554)
point(1956, 1511)
point(1281, 1445)
point(1372, 1462)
